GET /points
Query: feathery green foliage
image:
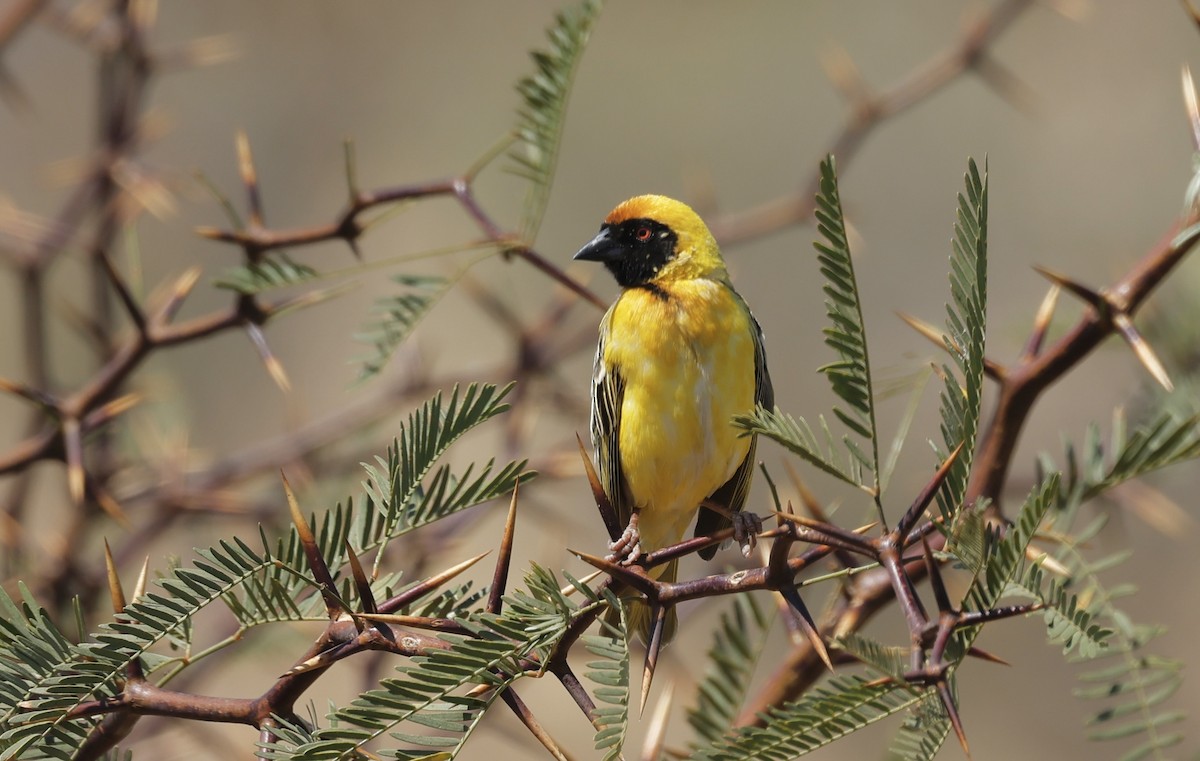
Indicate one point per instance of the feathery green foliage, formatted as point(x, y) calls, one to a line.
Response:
point(402, 496)
point(32, 648)
point(828, 713)
point(543, 112)
point(398, 487)
point(611, 673)
point(1132, 687)
point(433, 691)
point(1066, 622)
point(1166, 440)
point(923, 732)
point(1130, 683)
point(888, 660)
point(737, 645)
point(426, 696)
point(798, 437)
point(432, 703)
point(396, 316)
point(272, 270)
point(966, 321)
point(1001, 570)
point(970, 539)
point(1004, 557)
point(850, 376)
point(258, 585)
point(95, 665)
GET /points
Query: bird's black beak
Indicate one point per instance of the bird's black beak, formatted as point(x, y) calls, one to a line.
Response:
point(602, 248)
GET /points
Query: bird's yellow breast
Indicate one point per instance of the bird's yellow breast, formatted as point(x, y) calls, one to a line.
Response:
point(686, 355)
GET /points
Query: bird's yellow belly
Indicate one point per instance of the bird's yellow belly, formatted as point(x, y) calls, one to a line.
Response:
point(685, 379)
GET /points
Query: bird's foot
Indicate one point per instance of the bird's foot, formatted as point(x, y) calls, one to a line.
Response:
point(746, 528)
point(628, 547)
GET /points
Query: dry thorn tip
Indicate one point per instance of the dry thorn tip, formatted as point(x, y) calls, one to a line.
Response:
point(361, 582)
point(926, 330)
point(526, 716)
point(1189, 92)
point(421, 588)
point(115, 592)
point(274, 367)
point(249, 177)
point(925, 497)
point(807, 625)
point(1141, 350)
point(571, 589)
point(952, 711)
point(504, 557)
point(984, 655)
point(179, 293)
point(316, 562)
point(1041, 323)
point(1091, 297)
point(139, 588)
point(115, 408)
point(845, 75)
point(656, 731)
point(73, 450)
point(653, 646)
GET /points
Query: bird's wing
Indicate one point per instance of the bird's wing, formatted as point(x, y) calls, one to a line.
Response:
point(732, 494)
point(608, 393)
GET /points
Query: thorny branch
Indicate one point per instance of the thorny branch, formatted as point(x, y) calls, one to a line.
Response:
point(868, 110)
point(73, 427)
point(116, 188)
point(1020, 385)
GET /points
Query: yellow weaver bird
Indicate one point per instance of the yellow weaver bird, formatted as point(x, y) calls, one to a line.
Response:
point(679, 356)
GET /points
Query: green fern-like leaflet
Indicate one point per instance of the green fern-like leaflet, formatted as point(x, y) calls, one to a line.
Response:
point(543, 110)
point(396, 316)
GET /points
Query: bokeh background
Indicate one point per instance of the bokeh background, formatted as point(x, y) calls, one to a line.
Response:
point(726, 105)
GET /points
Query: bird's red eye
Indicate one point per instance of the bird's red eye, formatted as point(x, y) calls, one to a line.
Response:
point(643, 233)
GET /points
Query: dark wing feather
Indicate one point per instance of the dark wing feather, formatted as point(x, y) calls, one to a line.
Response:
point(608, 393)
point(733, 493)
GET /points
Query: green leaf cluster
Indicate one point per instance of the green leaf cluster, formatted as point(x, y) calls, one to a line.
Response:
point(259, 586)
point(849, 376)
point(923, 731)
point(271, 271)
point(450, 687)
point(737, 644)
point(1129, 685)
point(542, 115)
point(965, 337)
point(611, 675)
point(843, 706)
point(395, 317)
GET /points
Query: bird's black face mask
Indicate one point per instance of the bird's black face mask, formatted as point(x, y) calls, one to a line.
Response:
point(633, 251)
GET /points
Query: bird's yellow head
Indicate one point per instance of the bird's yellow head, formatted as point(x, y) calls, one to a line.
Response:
point(655, 239)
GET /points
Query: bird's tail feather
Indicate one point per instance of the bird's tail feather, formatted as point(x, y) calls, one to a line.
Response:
point(640, 616)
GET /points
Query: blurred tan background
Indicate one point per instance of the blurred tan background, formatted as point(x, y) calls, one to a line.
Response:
point(722, 104)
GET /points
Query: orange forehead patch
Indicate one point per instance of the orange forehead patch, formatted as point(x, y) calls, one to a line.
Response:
point(674, 214)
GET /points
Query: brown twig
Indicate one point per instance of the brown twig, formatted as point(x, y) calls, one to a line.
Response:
point(97, 402)
point(1020, 386)
point(347, 227)
point(867, 111)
